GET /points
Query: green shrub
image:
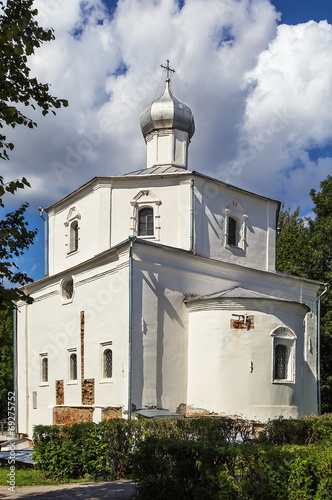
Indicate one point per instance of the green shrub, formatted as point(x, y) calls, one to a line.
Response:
point(105, 450)
point(303, 431)
point(195, 458)
point(166, 468)
point(311, 474)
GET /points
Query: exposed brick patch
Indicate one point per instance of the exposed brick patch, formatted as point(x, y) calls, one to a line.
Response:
point(88, 391)
point(67, 415)
point(109, 413)
point(239, 324)
point(82, 346)
point(59, 392)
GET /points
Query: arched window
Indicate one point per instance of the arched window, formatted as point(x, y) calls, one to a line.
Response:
point(107, 363)
point(73, 237)
point(281, 361)
point(232, 231)
point(73, 366)
point(283, 364)
point(44, 369)
point(145, 222)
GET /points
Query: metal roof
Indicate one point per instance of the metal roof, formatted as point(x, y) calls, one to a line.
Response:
point(164, 169)
point(24, 455)
point(167, 112)
point(238, 292)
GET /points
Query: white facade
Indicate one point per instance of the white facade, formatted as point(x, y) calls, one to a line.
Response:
point(215, 329)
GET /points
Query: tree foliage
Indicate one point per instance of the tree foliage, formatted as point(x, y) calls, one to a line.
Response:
point(304, 248)
point(15, 237)
point(291, 249)
point(6, 359)
point(20, 35)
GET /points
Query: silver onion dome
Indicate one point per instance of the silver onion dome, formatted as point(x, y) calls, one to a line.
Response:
point(167, 112)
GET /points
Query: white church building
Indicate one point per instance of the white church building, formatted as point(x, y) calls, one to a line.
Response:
point(162, 294)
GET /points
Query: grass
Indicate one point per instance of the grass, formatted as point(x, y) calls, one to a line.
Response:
point(25, 476)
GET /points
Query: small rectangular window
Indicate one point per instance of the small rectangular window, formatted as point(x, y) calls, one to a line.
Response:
point(145, 222)
point(73, 366)
point(284, 355)
point(232, 231)
point(107, 361)
point(44, 368)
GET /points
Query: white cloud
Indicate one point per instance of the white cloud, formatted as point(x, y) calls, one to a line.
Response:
point(288, 109)
point(260, 93)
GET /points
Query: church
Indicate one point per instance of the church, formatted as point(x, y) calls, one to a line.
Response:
point(162, 298)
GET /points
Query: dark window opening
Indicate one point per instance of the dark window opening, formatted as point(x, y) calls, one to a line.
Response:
point(73, 366)
point(145, 222)
point(44, 369)
point(108, 363)
point(281, 362)
point(73, 244)
point(232, 231)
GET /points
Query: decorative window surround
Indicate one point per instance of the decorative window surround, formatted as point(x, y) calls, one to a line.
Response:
point(106, 362)
point(283, 336)
point(72, 230)
point(234, 210)
point(148, 199)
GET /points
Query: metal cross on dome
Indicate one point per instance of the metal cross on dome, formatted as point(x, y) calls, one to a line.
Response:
point(168, 69)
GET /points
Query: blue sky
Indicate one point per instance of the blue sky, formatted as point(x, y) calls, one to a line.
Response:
point(297, 11)
point(259, 86)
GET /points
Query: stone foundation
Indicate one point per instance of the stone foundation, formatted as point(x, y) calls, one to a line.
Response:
point(69, 415)
point(109, 413)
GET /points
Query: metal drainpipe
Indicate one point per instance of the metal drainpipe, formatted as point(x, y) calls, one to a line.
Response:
point(192, 215)
point(319, 399)
point(131, 322)
point(41, 211)
point(15, 363)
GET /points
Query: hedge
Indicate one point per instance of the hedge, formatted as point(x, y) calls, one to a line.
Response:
point(105, 450)
point(203, 459)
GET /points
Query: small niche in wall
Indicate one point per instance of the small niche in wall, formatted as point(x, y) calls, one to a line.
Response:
point(242, 322)
point(67, 290)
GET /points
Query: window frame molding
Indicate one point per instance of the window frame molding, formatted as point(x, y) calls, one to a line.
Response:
point(282, 335)
point(145, 199)
point(104, 346)
point(235, 211)
point(74, 215)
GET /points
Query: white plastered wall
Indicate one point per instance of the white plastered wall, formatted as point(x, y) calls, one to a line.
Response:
point(256, 215)
point(165, 363)
point(233, 374)
point(52, 327)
